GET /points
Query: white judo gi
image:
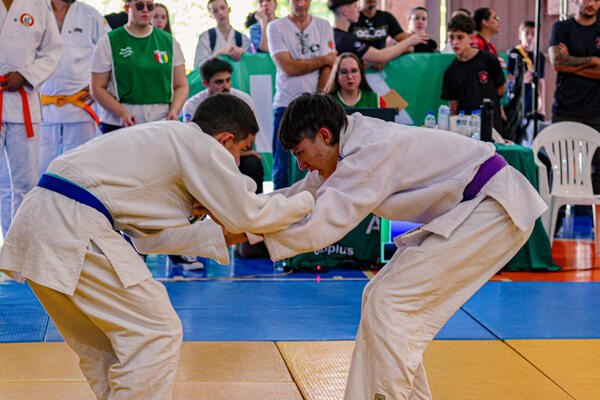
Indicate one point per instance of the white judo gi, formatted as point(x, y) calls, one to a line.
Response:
point(96, 288)
point(419, 175)
point(31, 45)
point(64, 125)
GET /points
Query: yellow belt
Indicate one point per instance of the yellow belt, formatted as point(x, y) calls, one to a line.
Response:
point(61, 100)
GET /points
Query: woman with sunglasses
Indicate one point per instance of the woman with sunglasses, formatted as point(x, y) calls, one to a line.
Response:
point(138, 72)
point(348, 84)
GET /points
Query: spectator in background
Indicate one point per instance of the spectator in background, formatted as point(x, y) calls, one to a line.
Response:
point(68, 120)
point(264, 15)
point(417, 22)
point(31, 49)
point(487, 24)
point(116, 19)
point(222, 39)
point(575, 54)
point(375, 26)
point(302, 49)
point(474, 75)
point(145, 80)
point(344, 13)
point(458, 11)
point(160, 19)
point(216, 76)
point(524, 52)
point(348, 84)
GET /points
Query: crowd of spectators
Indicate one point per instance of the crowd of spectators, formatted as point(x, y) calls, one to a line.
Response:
point(138, 74)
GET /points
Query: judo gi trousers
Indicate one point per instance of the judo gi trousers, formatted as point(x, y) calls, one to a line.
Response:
point(414, 295)
point(127, 339)
point(21, 164)
point(56, 139)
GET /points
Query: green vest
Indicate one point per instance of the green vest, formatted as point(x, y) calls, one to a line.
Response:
point(142, 67)
point(367, 100)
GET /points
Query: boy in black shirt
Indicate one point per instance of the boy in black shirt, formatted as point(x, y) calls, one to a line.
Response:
point(474, 75)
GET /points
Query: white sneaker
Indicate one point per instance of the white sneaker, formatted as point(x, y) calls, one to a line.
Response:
point(190, 263)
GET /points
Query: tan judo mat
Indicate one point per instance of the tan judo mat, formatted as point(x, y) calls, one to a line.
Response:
point(478, 370)
point(574, 364)
point(457, 370)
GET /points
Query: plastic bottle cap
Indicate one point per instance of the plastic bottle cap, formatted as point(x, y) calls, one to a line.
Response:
point(461, 112)
point(429, 112)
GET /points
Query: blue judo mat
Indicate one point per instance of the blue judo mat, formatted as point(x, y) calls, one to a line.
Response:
point(330, 310)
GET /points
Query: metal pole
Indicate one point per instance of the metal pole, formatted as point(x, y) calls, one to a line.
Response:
point(564, 10)
point(536, 77)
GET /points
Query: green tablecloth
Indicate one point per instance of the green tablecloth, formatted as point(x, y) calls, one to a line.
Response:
point(536, 254)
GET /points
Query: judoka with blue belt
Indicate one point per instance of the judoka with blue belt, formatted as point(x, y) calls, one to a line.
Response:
point(143, 181)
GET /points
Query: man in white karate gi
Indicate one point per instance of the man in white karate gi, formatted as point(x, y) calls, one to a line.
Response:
point(142, 181)
point(476, 213)
point(30, 49)
point(68, 118)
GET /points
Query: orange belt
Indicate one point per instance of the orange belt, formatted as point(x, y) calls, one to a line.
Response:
point(61, 100)
point(26, 113)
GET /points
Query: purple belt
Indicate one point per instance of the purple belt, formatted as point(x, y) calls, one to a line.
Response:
point(485, 172)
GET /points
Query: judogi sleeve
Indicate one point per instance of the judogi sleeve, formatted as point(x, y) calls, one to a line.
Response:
point(204, 238)
point(48, 54)
point(344, 199)
point(203, 51)
point(230, 196)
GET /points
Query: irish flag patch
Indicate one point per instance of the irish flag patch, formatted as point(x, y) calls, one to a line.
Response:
point(161, 56)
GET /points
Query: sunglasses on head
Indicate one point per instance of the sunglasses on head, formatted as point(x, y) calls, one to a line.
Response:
point(140, 5)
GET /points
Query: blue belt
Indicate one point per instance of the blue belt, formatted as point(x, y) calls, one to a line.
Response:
point(73, 191)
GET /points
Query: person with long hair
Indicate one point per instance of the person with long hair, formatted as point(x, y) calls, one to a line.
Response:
point(160, 19)
point(348, 84)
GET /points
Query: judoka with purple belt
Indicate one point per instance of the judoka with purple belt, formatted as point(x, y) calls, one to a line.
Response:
point(476, 212)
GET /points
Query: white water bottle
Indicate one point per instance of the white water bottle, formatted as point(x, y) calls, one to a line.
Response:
point(444, 117)
point(475, 125)
point(430, 120)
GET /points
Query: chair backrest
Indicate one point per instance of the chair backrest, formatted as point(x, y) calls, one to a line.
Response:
point(570, 146)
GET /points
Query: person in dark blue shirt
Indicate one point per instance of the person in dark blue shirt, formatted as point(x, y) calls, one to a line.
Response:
point(575, 54)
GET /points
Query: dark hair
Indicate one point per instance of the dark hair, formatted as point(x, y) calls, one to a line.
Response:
point(168, 26)
point(212, 1)
point(226, 113)
point(464, 10)
point(481, 14)
point(526, 24)
point(214, 66)
point(461, 23)
point(333, 85)
point(415, 9)
point(250, 19)
point(307, 114)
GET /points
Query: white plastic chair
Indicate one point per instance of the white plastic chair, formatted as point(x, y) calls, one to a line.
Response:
point(570, 147)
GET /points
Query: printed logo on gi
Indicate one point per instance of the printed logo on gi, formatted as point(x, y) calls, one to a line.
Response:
point(379, 397)
point(161, 56)
point(78, 30)
point(126, 52)
point(483, 77)
point(27, 19)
